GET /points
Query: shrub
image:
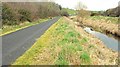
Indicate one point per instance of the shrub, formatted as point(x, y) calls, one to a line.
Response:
point(8, 16)
point(48, 10)
point(64, 13)
point(83, 13)
point(24, 15)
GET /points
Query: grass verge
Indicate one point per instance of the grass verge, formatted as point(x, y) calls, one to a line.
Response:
point(13, 28)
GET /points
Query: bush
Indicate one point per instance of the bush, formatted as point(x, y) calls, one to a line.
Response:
point(64, 13)
point(24, 15)
point(8, 16)
point(83, 13)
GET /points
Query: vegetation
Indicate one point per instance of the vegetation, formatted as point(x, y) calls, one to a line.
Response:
point(24, 15)
point(9, 29)
point(70, 11)
point(112, 12)
point(16, 13)
point(111, 19)
point(85, 57)
point(97, 13)
point(64, 13)
point(8, 16)
point(64, 43)
point(63, 48)
point(83, 13)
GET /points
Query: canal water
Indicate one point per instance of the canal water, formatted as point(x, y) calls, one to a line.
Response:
point(108, 41)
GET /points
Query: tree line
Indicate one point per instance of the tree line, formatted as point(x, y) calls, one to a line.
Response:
point(14, 13)
point(113, 12)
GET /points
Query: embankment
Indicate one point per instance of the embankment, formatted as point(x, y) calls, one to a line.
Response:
point(101, 25)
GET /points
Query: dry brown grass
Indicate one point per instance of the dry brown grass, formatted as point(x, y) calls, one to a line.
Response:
point(101, 25)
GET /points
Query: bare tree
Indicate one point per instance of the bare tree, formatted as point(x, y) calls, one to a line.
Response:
point(80, 6)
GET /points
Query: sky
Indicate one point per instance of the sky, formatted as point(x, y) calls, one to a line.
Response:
point(94, 5)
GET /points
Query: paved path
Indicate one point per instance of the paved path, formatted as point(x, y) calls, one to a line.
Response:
point(15, 44)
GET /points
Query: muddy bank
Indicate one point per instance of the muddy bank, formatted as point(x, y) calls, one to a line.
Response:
point(100, 25)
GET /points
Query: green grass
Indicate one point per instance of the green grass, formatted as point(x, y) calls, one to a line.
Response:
point(84, 40)
point(61, 36)
point(61, 58)
point(112, 19)
point(70, 11)
point(91, 46)
point(79, 48)
point(9, 29)
point(85, 57)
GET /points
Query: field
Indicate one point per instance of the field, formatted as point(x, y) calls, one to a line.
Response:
point(61, 44)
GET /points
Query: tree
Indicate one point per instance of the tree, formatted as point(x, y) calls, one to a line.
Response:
point(24, 15)
point(80, 6)
point(8, 15)
point(83, 13)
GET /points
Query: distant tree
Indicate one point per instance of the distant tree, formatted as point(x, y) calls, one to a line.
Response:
point(80, 6)
point(83, 13)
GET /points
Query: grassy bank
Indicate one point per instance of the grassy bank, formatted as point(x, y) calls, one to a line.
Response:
point(102, 24)
point(105, 18)
point(61, 44)
point(9, 29)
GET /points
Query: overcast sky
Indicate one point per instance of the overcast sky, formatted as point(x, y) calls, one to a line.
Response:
point(94, 5)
